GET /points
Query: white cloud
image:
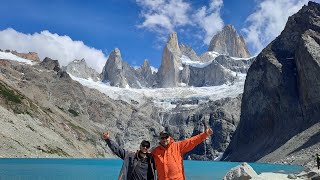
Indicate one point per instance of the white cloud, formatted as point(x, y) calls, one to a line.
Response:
point(166, 16)
point(162, 16)
point(46, 44)
point(209, 19)
point(269, 19)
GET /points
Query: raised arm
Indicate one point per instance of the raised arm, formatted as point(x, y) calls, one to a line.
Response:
point(190, 143)
point(120, 152)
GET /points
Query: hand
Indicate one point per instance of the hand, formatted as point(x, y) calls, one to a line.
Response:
point(209, 131)
point(106, 135)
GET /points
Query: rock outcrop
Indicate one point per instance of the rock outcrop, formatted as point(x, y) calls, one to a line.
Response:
point(169, 71)
point(281, 99)
point(79, 68)
point(229, 42)
point(30, 55)
point(50, 64)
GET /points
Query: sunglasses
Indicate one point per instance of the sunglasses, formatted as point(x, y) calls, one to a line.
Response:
point(145, 145)
point(164, 137)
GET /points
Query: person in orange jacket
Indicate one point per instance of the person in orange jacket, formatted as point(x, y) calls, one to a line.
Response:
point(168, 156)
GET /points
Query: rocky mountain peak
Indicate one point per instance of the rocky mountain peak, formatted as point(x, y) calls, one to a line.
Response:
point(146, 63)
point(112, 71)
point(79, 68)
point(168, 74)
point(172, 43)
point(115, 52)
point(228, 42)
point(145, 68)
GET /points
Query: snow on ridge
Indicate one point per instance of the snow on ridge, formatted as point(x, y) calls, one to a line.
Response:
point(187, 61)
point(238, 58)
point(10, 56)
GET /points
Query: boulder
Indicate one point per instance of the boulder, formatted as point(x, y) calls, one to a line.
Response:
point(242, 172)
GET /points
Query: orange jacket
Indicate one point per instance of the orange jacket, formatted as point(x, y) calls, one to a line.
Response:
point(169, 160)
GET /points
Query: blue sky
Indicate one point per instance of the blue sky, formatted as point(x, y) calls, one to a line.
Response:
point(75, 29)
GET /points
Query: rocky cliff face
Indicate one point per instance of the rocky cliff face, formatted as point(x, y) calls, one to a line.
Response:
point(212, 75)
point(229, 42)
point(281, 99)
point(79, 68)
point(169, 71)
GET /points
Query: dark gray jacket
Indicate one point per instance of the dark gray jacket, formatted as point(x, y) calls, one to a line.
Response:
point(130, 161)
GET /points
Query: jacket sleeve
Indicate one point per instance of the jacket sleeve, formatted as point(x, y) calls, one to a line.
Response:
point(188, 144)
point(120, 152)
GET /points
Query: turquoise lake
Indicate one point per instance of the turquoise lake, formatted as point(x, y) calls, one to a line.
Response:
point(108, 169)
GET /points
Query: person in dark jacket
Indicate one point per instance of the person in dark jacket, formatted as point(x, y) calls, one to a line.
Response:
point(136, 165)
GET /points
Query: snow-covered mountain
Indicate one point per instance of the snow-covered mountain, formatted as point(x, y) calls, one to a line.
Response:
point(180, 67)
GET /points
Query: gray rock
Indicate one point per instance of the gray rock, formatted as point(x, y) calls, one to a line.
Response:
point(229, 42)
point(242, 172)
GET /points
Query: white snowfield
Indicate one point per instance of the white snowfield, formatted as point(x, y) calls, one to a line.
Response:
point(161, 97)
